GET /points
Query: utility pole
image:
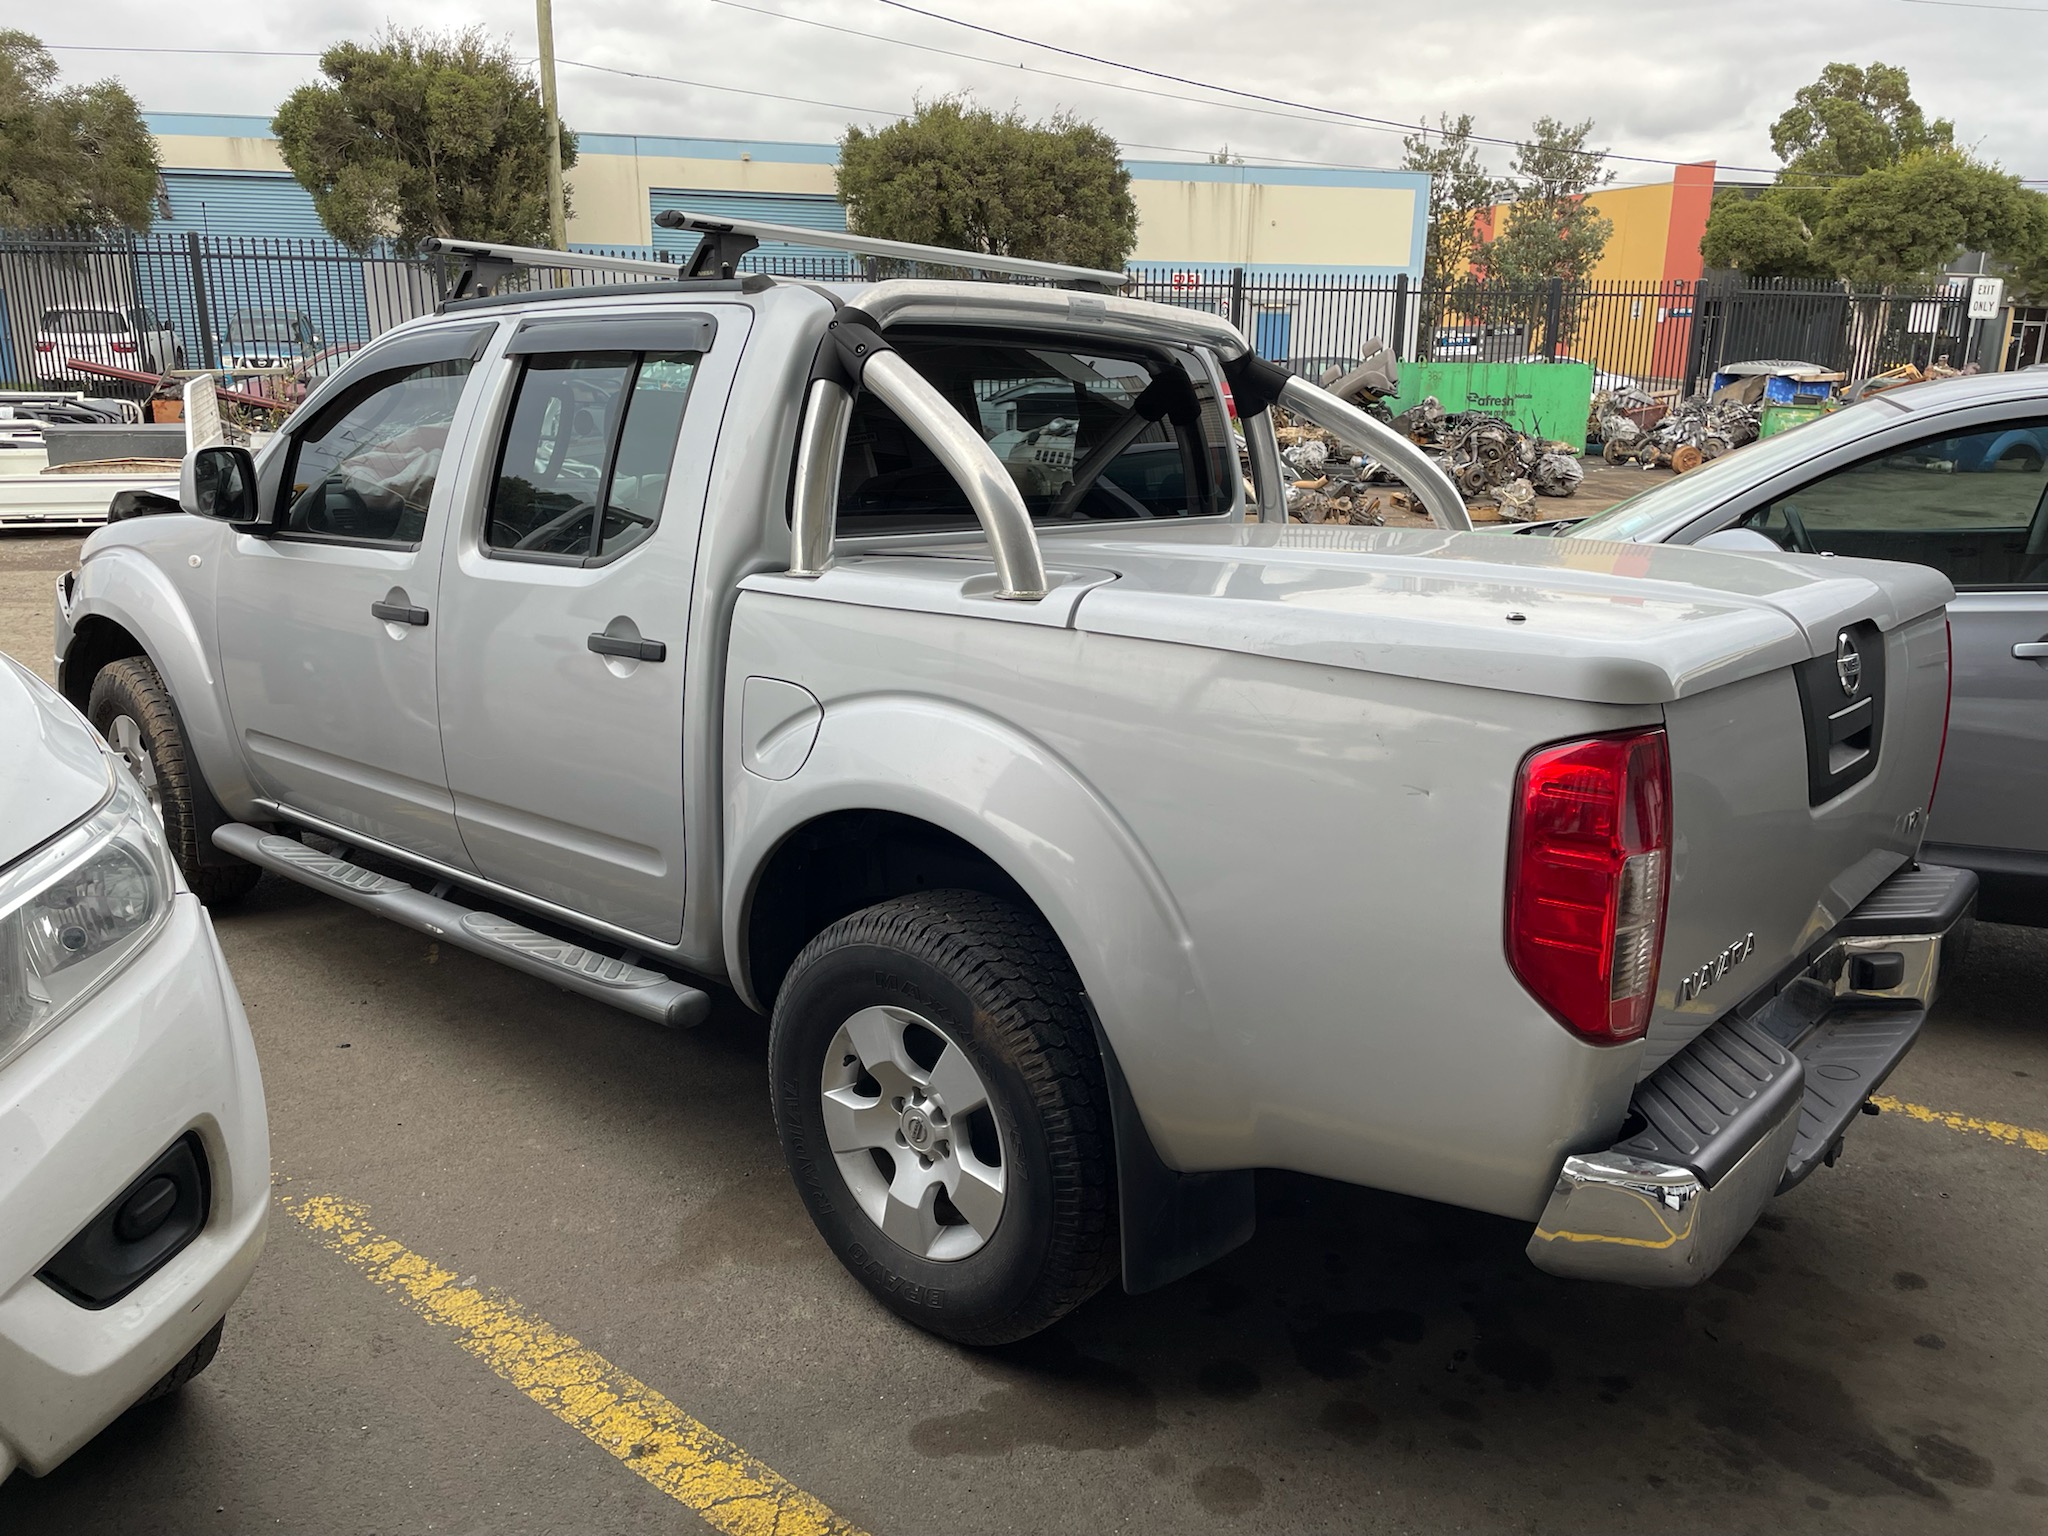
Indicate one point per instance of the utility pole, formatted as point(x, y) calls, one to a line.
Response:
point(558, 222)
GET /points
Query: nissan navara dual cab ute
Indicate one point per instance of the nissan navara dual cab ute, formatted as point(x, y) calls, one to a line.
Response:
point(909, 658)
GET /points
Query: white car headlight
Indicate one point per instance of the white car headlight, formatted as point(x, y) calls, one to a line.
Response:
point(76, 910)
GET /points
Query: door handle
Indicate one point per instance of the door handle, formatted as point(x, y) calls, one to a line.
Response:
point(628, 647)
point(397, 613)
point(2031, 650)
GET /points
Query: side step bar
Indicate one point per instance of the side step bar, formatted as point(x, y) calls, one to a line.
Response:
point(639, 991)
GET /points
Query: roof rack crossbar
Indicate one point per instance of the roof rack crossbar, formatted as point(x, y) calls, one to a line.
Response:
point(727, 240)
point(481, 266)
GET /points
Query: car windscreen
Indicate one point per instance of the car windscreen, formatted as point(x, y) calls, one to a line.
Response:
point(84, 322)
point(1671, 504)
point(255, 330)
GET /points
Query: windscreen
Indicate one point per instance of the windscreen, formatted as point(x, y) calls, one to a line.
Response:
point(263, 326)
point(84, 322)
point(1045, 410)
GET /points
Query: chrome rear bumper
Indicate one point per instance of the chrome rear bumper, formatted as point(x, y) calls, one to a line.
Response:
point(1755, 1104)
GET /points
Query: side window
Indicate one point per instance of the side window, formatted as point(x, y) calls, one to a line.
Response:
point(1973, 505)
point(587, 453)
point(363, 470)
point(1044, 410)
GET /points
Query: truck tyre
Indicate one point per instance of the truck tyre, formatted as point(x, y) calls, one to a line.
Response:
point(943, 1111)
point(132, 709)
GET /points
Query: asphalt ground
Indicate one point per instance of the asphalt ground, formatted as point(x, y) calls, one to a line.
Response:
point(618, 1263)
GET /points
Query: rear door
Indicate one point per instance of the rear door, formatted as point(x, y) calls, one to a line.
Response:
point(1974, 505)
point(566, 604)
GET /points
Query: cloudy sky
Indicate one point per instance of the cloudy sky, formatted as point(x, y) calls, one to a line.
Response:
point(1660, 80)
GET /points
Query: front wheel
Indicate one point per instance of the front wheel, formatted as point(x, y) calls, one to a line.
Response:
point(132, 709)
point(943, 1110)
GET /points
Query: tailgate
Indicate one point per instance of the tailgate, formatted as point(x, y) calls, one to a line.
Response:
point(1794, 795)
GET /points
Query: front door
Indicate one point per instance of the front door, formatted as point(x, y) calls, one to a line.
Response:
point(1974, 505)
point(567, 607)
point(328, 621)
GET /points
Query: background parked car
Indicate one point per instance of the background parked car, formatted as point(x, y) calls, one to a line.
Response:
point(1951, 474)
point(268, 338)
point(134, 1151)
point(125, 338)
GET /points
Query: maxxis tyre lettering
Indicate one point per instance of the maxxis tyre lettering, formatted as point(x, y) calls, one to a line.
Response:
point(132, 687)
point(996, 981)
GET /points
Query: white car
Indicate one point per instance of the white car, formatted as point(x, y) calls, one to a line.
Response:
point(134, 1154)
point(123, 338)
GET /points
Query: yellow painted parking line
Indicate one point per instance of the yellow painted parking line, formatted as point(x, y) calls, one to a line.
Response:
point(1998, 1130)
point(694, 1465)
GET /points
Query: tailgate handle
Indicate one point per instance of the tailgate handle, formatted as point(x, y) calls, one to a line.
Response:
point(2031, 650)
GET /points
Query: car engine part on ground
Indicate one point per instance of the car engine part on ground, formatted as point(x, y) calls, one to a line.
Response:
point(1307, 457)
point(1517, 500)
point(1556, 474)
point(1376, 377)
point(1483, 453)
point(1686, 436)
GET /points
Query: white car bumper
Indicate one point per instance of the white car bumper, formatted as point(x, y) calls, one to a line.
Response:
point(162, 1051)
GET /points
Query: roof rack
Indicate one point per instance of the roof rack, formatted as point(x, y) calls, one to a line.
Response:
point(727, 240)
point(482, 265)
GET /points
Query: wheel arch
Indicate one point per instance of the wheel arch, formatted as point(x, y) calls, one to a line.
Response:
point(899, 795)
point(124, 606)
point(992, 809)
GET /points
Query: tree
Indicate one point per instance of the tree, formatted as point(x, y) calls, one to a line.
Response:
point(959, 176)
point(71, 159)
point(422, 134)
point(1854, 120)
point(1762, 235)
point(1904, 223)
point(1552, 231)
point(1873, 192)
point(1460, 190)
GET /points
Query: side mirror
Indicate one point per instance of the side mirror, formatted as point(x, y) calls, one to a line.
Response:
point(219, 483)
point(1740, 538)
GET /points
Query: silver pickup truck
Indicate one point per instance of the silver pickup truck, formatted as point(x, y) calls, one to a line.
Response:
point(915, 659)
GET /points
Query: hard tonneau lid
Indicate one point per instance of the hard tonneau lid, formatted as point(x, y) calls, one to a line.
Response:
point(1600, 622)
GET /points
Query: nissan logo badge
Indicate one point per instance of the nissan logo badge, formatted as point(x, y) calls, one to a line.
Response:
point(1848, 664)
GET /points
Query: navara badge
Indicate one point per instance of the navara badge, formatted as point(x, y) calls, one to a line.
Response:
point(1848, 664)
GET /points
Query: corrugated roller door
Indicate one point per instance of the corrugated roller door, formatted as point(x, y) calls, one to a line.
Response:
point(238, 203)
point(805, 210)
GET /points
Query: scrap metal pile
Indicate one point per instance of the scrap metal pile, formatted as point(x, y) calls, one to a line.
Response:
point(1489, 459)
point(1682, 438)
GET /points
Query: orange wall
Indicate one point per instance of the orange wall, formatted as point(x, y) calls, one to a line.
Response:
point(1657, 227)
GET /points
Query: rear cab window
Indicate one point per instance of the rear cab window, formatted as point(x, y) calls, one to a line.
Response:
point(1044, 406)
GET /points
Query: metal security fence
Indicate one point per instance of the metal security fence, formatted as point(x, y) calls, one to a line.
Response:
point(223, 302)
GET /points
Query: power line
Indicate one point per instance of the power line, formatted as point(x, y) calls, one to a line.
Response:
point(1279, 101)
point(245, 53)
point(1980, 5)
point(1055, 74)
point(705, 85)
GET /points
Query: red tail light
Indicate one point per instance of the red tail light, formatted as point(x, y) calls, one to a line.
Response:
point(1588, 875)
point(1948, 700)
point(124, 346)
point(46, 346)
